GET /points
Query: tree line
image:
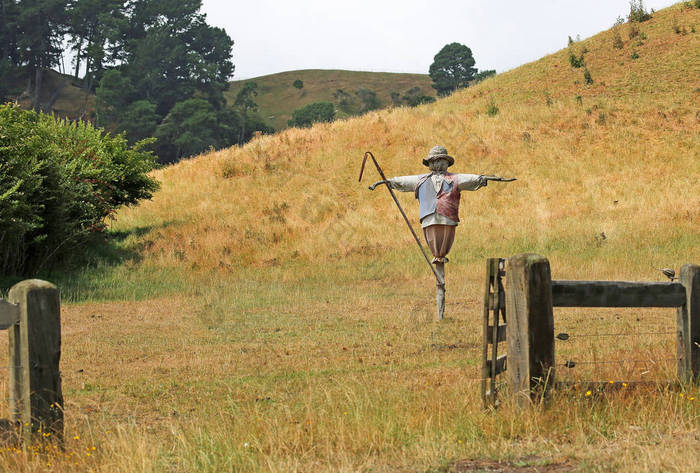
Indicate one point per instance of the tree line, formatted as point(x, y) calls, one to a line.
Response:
point(156, 67)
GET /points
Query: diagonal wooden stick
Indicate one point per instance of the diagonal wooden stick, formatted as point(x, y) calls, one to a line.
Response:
point(440, 281)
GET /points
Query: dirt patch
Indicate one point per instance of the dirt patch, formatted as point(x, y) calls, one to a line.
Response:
point(525, 465)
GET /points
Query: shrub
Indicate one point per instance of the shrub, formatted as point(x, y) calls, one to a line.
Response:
point(634, 55)
point(60, 181)
point(576, 61)
point(637, 12)
point(312, 113)
point(482, 75)
point(492, 109)
point(368, 100)
point(617, 41)
point(298, 84)
point(587, 76)
point(414, 97)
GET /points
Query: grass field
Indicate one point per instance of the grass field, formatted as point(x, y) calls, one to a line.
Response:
point(277, 97)
point(266, 312)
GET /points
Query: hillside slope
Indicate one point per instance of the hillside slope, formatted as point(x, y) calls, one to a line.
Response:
point(278, 98)
point(607, 172)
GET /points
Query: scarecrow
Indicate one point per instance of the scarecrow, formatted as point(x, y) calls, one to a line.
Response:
point(438, 194)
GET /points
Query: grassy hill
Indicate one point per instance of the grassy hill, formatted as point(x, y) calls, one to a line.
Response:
point(266, 312)
point(71, 101)
point(278, 98)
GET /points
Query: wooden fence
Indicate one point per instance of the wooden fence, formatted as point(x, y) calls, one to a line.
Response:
point(33, 317)
point(530, 295)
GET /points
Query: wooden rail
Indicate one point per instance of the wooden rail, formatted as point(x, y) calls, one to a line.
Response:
point(617, 294)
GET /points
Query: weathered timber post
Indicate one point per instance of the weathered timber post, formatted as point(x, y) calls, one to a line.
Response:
point(36, 399)
point(688, 320)
point(530, 331)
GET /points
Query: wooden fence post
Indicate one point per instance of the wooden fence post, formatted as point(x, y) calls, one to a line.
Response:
point(530, 331)
point(688, 320)
point(36, 398)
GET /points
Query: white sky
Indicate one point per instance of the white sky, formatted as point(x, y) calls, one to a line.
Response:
point(403, 36)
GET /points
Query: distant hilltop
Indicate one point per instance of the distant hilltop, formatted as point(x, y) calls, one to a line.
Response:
point(351, 92)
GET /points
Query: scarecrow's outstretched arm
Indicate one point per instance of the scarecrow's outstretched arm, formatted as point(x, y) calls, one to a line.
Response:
point(374, 186)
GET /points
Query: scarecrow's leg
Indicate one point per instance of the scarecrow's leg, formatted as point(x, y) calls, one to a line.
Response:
point(440, 269)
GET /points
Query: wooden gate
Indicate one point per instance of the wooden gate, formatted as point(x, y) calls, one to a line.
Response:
point(530, 295)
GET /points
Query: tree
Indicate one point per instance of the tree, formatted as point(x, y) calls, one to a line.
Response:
point(166, 54)
point(298, 84)
point(188, 129)
point(245, 102)
point(40, 25)
point(312, 113)
point(452, 68)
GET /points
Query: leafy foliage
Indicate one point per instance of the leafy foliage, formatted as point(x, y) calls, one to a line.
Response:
point(576, 61)
point(313, 113)
point(368, 99)
point(492, 109)
point(166, 54)
point(452, 68)
point(59, 183)
point(485, 74)
point(298, 84)
point(637, 12)
point(414, 97)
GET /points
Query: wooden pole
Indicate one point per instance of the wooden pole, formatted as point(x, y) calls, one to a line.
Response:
point(688, 320)
point(440, 295)
point(36, 398)
point(530, 331)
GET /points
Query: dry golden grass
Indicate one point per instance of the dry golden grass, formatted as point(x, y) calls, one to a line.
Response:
point(279, 318)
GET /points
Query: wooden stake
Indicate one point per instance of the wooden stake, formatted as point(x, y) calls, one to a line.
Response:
point(530, 331)
point(688, 320)
point(36, 398)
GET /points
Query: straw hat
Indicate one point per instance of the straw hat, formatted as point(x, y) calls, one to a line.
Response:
point(438, 152)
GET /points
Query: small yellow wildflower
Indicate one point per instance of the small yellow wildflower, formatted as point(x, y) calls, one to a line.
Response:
point(588, 393)
point(681, 394)
point(77, 437)
point(691, 398)
point(624, 385)
point(611, 382)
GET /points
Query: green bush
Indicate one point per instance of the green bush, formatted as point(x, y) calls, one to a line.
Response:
point(576, 61)
point(298, 84)
point(492, 109)
point(312, 113)
point(637, 12)
point(59, 182)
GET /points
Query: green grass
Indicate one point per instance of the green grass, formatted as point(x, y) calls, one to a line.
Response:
point(278, 98)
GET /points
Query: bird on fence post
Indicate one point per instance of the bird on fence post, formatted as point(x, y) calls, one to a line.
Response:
point(670, 273)
point(438, 194)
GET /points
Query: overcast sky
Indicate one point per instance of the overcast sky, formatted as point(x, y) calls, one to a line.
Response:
point(403, 36)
